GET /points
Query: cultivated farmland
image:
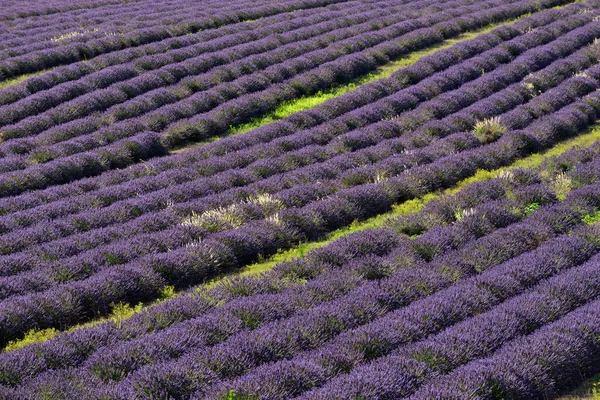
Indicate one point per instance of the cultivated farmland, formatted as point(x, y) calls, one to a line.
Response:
point(300, 199)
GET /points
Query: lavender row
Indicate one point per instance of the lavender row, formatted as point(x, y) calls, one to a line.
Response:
point(102, 364)
point(182, 62)
point(70, 53)
point(72, 142)
point(13, 39)
point(376, 243)
point(57, 6)
point(418, 70)
point(474, 296)
point(195, 303)
point(401, 373)
point(337, 361)
point(181, 308)
point(244, 108)
point(182, 52)
point(467, 260)
point(389, 165)
point(310, 329)
point(113, 241)
point(52, 172)
point(180, 112)
point(360, 202)
point(77, 71)
point(296, 196)
point(47, 34)
point(63, 149)
point(465, 199)
point(469, 72)
point(166, 15)
point(372, 155)
point(186, 265)
point(132, 246)
point(544, 364)
point(103, 256)
point(202, 101)
point(50, 8)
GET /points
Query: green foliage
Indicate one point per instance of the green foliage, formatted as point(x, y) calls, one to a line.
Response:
point(21, 78)
point(123, 311)
point(591, 219)
point(562, 184)
point(33, 336)
point(167, 292)
point(460, 214)
point(431, 359)
point(531, 208)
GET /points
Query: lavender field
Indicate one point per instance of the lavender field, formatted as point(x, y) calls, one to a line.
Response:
point(300, 199)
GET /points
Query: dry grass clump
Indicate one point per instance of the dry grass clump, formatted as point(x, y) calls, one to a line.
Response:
point(489, 129)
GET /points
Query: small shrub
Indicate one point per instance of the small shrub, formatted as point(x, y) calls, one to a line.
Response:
point(561, 185)
point(489, 129)
point(217, 220)
point(460, 214)
point(269, 205)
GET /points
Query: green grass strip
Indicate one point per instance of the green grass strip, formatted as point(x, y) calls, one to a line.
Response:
point(307, 102)
point(415, 205)
point(122, 312)
point(21, 78)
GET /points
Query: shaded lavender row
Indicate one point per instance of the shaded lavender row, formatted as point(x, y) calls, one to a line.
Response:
point(193, 190)
point(377, 380)
point(205, 101)
point(180, 308)
point(334, 259)
point(181, 62)
point(318, 262)
point(544, 364)
point(100, 22)
point(69, 53)
point(145, 278)
point(342, 104)
point(399, 374)
point(308, 330)
point(430, 315)
point(321, 319)
point(79, 70)
point(275, 378)
point(124, 251)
